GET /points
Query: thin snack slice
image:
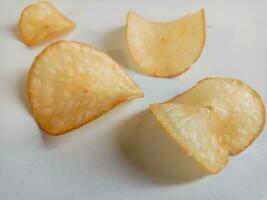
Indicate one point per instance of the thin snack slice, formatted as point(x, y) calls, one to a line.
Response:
point(165, 49)
point(236, 105)
point(71, 84)
point(196, 129)
point(41, 21)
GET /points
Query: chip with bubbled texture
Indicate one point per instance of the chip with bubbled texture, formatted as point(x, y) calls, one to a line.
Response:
point(196, 130)
point(165, 49)
point(222, 108)
point(41, 21)
point(70, 84)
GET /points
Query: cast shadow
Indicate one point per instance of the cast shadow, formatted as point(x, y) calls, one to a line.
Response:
point(75, 136)
point(21, 88)
point(147, 146)
point(51, 141)
point(13, 30)
point(115, 45)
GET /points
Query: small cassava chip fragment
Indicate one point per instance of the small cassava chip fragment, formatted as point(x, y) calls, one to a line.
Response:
point(71, 84)
point(165, 49)
point(41, 21)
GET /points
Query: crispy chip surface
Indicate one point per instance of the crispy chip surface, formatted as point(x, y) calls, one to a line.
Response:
point(238, 107)
point(216, 118)
point(71, 84)
point(41, 21)
point(165, 49)
point(196, 129)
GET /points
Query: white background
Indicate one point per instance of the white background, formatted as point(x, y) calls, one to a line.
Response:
point(125, 154)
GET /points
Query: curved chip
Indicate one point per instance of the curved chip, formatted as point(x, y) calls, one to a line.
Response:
point(165, 49)
point(196, 129)
point(71, 84)
point(238, 107)
point(216, 118)
point(41, 21)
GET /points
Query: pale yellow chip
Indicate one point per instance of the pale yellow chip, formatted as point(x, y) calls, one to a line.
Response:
point(41, 21)
point(238, 107)
point(71, 84)
point(225, 108)
point(196, 129)
point(165, 49)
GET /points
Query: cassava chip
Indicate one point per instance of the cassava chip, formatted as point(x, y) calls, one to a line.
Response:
point(196, 129)
point(41, 21)
point(238, 107)
point(230, 110)
point(71, 84)
point(165, 49)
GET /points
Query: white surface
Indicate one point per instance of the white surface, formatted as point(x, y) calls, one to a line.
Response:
point(125, 154)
